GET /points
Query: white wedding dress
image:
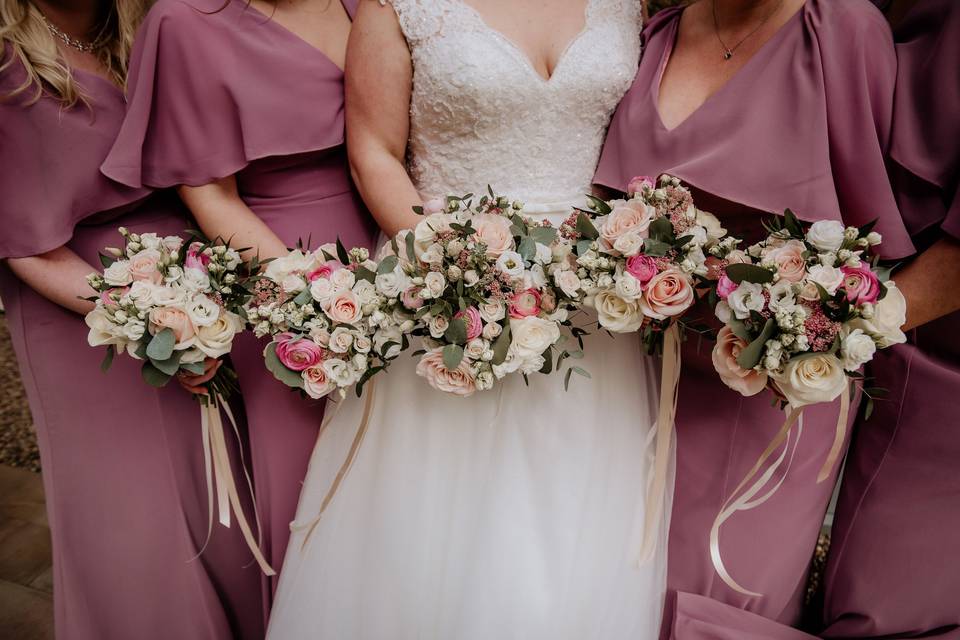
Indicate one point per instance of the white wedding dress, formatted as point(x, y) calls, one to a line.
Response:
point(516, 513)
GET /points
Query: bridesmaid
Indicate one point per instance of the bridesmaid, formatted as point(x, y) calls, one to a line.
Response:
point(240, 105)
point(894, 565)
point(123, 468)
point(760, 105)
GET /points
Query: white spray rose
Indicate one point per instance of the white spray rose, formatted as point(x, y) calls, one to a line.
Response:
point(826, 235)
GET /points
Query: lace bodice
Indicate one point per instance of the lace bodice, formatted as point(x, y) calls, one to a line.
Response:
point(481, 114)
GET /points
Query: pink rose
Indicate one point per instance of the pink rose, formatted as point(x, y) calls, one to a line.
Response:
point(110, 296)
point(725, 286)
point(494, 232)
point(791, 265)
point(195, 258)
point(323, 271)
point(548, 302)
point(458, 382)
point(345, 308)
point(175, 319)
point(316, 383)
point(668, 294)
point(747, 382)
point(638, 183)
point(471, 318)
point(434, 205)
point(525, 304)
point(411, 298)
point(297, 354)
point(628, 216)
point(143, 266)
point(861, 284)
point(642, 267)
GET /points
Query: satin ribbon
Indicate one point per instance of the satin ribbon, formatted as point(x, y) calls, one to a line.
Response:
point(347, 463)
point(219, 473)
point(745, 501)
point(657, 487)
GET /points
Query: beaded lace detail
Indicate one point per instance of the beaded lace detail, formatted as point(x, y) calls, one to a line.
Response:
point(481, 114)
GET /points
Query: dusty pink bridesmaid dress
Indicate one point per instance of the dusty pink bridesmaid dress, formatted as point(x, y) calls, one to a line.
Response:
point(122, 462)
point(218, 89)
point(894, 565)
point(804, 124)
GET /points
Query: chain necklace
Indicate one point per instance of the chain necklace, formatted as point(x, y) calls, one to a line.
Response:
point(729, 51)
point(82, 46)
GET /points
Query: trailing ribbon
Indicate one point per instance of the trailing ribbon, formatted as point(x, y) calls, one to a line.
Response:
point(745, 501)
point(347, 463)
point(219, 474)
point(657, 487)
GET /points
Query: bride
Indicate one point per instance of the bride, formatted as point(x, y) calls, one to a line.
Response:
point(518, 512)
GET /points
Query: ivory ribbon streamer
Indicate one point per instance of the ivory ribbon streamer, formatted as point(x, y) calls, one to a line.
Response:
point(347, 463)
point(656, 491)
point(839, 438)
point(220, 478)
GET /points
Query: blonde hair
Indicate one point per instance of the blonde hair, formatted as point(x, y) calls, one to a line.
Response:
point(23, 27)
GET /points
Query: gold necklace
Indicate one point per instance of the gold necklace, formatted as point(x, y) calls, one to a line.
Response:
point(728, 51)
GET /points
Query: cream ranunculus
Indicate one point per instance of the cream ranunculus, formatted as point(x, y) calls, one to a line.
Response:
point(216, 339)
point(889, 315)
point(616, 314)
point(812, 379)
point(747, 382)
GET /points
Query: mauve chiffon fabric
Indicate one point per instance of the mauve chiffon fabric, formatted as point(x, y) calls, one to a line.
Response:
point(218, 90)
point(122, 462)
point(805, 125)
point(894, 565)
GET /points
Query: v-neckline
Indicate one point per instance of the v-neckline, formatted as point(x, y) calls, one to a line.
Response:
point(668, 53)
point(295, 36)
point(528, 63)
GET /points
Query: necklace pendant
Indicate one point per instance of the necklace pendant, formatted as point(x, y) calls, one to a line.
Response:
point(727, 54)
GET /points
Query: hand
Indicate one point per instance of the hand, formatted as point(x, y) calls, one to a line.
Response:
point(194, 382)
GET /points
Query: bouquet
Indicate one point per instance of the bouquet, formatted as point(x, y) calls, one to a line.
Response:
point(168, 305)
point(803, 310)
point(640, 260)
point(172, 304)
point(487, 288)
point(323, 313)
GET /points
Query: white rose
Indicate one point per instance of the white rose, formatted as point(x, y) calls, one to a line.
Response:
point(425, 233)
point(393, 283)
point(438, 326)
point(143, 294)
point(432, 255)
point(202, 310)
point(746, 298)
point(830, 278)
point(216, 339)
point(435, 283)
point(889, 315)
point(342, 279)
point(387, 335)
point(568, 282)
point(534, 278)
point(826, 235)
point(474, 349)
point(628, 287)
point(295, 261)
point(544, 254)
point(484, 381)
point(531, 336)
point(492, 311)
point(341, 340)
point(857, 349)
point(195, 280)
point(812, 379)
point(711, 225)
point(510, 263)
point(103, 330)
point(338, 372)
point(322, 290)
point(366, 292)
point(316, 383)
point(118, 274)
point(628, 244)
point(491, 330)
point(616, 314)
point(470, 278)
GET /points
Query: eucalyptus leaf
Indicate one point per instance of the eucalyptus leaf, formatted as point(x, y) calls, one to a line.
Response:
point(161, 346)
point(792, 224)
point(586, 228)
point(456, 332)
point(583, 246)
point(153, 376)
point(342, 253)
point(362, 273)
point(108, 358)
point(106, 260)
point(547, 362)
point(748, 273)
point(196, 368)
point(527, 249)
point(411, 250)
point(303, 297)
point(599, 205)
point(501, 345)
point(655, 248)
point(661, 229)
point(387, 265)
point(739, 329)
point(750, 357)
point(544, 235)
point(452, 356)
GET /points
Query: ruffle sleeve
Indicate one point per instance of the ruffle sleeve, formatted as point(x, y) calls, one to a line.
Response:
point(212, 89)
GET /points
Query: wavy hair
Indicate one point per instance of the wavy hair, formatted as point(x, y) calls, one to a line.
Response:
point(22, 28)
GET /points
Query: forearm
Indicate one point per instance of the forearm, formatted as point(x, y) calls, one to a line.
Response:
point(221, 213)
point(931, 283)
point(386, 189)
point(59, 275)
